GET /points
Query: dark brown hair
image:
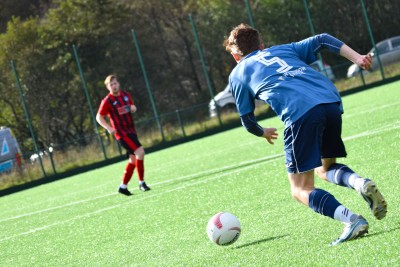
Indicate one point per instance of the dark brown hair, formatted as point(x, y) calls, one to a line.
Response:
point(243, 40)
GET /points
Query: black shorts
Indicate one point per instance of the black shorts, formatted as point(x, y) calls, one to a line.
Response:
point(316, 135)
point(130, 142)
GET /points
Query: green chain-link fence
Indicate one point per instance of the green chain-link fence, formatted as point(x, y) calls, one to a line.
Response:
point(95, 146)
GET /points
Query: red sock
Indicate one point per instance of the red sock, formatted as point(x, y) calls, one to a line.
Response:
point(128, 173)
point(140, 169)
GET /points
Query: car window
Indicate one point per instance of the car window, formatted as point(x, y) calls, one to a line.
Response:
point(383, 48)
point(396, 43)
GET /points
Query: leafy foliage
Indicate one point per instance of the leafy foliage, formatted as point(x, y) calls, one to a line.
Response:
point(39, 40)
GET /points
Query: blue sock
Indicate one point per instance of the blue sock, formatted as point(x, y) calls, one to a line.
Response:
point(323, 202)
point(339, 174)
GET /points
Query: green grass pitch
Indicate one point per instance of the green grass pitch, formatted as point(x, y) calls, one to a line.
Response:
point(82, 221)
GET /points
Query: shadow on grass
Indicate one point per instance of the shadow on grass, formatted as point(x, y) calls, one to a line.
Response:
point(260, 241)
point(382, 232)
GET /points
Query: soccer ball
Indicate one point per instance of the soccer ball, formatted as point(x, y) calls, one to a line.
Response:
point(223, 229)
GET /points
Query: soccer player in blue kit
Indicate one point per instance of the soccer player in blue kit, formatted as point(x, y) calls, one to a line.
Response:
point(310, 107)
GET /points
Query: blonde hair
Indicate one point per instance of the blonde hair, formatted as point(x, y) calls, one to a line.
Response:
point(109, 78)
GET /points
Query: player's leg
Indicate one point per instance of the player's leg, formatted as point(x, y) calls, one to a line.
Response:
point(139, 152)
point(129, 168)
point(139, 160)
point(340, 174)
point(324, 203)
point(319, 200)
point(134, 144)
point(303, 154)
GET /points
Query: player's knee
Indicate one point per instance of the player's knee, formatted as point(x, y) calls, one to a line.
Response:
point(321, 172)
point(301, 194)
point(140, 153)
point(296, 193)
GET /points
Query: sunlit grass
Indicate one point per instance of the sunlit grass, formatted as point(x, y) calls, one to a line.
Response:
point(82, 221)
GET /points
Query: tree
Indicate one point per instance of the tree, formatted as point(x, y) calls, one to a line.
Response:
point(40, 42)
point(22, 9)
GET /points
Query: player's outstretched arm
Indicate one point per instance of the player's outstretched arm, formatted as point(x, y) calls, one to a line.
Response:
point(364, 61)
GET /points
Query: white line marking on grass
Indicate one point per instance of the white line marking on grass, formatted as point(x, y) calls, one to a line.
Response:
point(57, 207)
point(59, 222)
point(199, 174)
point(54, 198)
point(111, 182)
point(216, 170)
point(385, 128)
point(214, 177)
point(369, 110)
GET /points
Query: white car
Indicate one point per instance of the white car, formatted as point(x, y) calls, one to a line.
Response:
point(389, 53)
point(225, 102)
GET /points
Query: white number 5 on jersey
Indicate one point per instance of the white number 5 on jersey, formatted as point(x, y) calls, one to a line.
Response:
point(284, 67)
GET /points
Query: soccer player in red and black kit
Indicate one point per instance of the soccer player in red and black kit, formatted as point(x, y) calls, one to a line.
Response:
point(118, 106)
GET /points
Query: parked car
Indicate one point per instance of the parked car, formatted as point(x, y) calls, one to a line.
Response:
point(225, 102)
point(10, 154)
point(389, 53)
point(323, 68)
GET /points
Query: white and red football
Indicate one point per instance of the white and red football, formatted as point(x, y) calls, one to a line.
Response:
point(223, 228)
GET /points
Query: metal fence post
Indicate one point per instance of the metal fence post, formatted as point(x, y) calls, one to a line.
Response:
point(203, 64)
point(89, 102)
point(309, 20)
point(246, 2)
point(372, 37)
point(178, 115)
point(157, 117)
point(28, 118)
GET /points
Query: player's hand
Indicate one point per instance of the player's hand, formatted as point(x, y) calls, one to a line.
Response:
point(364, 61)
point(270, 134)
point(111, 131)
point(133, 108)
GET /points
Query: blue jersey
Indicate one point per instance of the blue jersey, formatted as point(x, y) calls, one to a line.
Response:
point(280, 76)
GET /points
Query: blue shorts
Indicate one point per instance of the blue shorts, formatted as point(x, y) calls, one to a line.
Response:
point(316, 135)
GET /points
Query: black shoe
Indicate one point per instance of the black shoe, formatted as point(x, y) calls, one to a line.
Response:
point(144, 187)
point(124, 191)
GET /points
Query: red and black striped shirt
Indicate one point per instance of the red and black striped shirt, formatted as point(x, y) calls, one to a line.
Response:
point(118, 110)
